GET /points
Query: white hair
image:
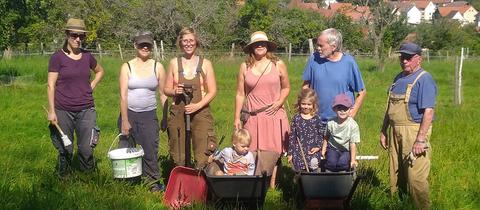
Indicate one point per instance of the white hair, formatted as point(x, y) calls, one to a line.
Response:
point(334, 37)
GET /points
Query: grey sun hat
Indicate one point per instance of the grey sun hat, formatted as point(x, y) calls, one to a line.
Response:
point(410, 48)
point(76, 25)
point(259, 36)
point(144, 39)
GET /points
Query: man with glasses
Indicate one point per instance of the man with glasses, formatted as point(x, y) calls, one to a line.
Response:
point(409, 116)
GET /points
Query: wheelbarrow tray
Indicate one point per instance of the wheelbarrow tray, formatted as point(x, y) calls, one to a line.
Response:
point(185, 186)
point(327, 185)
point(238, 189)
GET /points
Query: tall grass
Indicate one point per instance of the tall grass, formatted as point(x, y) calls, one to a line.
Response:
point(27, 157)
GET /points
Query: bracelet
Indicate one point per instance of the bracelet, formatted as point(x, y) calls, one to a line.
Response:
point(423, 142)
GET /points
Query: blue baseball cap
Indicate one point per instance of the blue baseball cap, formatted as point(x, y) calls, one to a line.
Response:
point(410, 48)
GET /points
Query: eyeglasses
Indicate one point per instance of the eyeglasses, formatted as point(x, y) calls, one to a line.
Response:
point(188, 41)
point(74, 36)
point(144, 45)
point(406, 57)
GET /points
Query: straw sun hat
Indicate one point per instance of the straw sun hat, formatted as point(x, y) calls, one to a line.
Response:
point(75, 25)
point(259, 36)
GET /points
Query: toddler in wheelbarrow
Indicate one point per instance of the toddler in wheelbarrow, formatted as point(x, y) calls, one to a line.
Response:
point(230, 175)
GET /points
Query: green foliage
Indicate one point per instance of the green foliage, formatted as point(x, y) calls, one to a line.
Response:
point(295, 27)
point(218, 24)
point(353, 37)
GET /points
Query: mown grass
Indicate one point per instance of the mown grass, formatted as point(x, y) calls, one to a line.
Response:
point(27, 157)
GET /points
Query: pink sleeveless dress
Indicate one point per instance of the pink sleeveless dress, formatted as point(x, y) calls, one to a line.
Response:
point(270, 131)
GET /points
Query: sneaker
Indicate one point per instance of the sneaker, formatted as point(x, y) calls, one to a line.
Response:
point(157, 188)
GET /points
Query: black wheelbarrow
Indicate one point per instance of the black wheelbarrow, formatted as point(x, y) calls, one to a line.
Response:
point(236, 191)
point(331, 190)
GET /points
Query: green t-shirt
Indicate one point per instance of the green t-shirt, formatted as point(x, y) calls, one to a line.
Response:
point(341, 135)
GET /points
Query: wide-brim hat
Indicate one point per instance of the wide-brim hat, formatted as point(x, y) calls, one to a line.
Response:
point(259, 36)
point(76, 25)
point(410, 48)
point(144, 39)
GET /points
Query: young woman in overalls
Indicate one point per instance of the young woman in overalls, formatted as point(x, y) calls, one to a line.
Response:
point(191, 75)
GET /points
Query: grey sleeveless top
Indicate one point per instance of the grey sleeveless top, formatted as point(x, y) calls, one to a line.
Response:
point(142, 91)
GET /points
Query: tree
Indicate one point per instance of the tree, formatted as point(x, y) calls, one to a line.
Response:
point(382, 18)
point(295, 27)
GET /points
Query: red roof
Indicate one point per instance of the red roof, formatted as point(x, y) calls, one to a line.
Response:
point(421, 4)
point(340, 6)
point(301, 5)
point(446, 10)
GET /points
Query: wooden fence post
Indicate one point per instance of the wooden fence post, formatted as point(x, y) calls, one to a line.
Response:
point(289, 52)
point(41, 48)
point(231, 50)
point(458, 79)
point(310, 45)
point(99, 49)
point(162, 52)
point(120, 50)
point(155, 50)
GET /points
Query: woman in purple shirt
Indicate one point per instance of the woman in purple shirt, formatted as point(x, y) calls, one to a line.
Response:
point(70, 100)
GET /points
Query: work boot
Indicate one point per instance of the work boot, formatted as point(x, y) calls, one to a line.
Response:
point(63, 166)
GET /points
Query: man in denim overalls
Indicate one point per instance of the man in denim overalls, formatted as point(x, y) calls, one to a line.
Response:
point(409, 114)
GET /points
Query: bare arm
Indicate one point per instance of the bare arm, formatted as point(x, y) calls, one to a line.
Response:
point(123, 82)
point(51, 82)
point(353, 155)
point(358, 103)
point(161, 82)
point(383, 132)
point(284, 91)
point(420, 142)
point(240, 96)
point(324, 145)
point(99, 72)
point(169, 89)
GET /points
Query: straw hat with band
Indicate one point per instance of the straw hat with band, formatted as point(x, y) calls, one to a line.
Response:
point(76, 25)
point(259, 36)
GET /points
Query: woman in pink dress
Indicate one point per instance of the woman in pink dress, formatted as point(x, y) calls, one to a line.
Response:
point(262, 84)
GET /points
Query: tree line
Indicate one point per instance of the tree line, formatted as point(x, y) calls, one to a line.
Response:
point(219, 23)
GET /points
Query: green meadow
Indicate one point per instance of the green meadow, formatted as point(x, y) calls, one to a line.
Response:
point(27, 157)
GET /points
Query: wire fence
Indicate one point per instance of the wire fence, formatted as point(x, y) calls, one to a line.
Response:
point(163, 52)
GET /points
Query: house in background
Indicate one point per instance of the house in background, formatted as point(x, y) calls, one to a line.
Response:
point(452, 14)
point(468, 12)
point(408, 9)
point(427, 8)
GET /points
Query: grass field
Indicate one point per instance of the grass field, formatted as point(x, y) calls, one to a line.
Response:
point(27, 157)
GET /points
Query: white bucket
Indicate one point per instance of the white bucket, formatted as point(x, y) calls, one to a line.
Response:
point(126, 165)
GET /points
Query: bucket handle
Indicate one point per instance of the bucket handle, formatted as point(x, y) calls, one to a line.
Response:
point(117, 138)
point(113, 142)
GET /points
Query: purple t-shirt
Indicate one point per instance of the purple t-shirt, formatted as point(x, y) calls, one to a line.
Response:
point(72, 90)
